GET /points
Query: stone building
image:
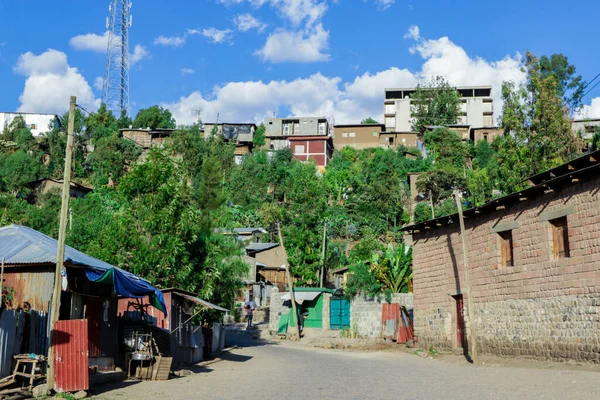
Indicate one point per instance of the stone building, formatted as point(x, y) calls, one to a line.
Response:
point(534, 267)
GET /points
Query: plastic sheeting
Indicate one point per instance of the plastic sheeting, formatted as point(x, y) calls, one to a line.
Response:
point(128, 285)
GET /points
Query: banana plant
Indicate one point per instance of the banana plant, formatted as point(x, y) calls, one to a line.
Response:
point(393, 268)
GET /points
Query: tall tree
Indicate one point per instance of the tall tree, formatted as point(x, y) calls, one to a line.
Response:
point(368, 120)
point(434, 103)
point(154, 117)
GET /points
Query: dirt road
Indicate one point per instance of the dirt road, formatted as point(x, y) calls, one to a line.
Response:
point(282, 372)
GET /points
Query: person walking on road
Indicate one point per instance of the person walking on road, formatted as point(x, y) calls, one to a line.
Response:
point(250, 306)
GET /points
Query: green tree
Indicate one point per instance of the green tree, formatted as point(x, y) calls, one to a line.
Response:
point(446, 147)
point(259, 138)
point(154, 117)
point(368, 120)
point(434, 103)
point(17, 169)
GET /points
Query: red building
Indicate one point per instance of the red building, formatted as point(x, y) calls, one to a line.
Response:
point(317, 148)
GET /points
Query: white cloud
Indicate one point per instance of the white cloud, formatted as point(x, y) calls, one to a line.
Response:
point(99, 82)
point(590, 111)
point(295, 11)
point(286, 46)
point(413, 33)
point(91, 42)
point(384, 4)
point(50, 82)
point(187, 71)
point(216, 35)
point(171, 41)
point(245, 22)
point(347, 102)
point(139, 53)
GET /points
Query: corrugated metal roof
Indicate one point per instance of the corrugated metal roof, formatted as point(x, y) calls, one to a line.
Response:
point(20, 245)
point(203, 302)
point(257, 247)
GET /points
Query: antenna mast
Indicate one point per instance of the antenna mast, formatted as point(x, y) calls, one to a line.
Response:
point(115, 88)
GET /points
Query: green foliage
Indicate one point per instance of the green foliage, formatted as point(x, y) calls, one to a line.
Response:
point(434, 103)
point(8, 295)
point(259, 138)
point(368, 120)
point(446, 147)
point(154, 117)
point(438, 184)
point(422, 212)
point(17, 169)
point(596, 139)
point(388, 271)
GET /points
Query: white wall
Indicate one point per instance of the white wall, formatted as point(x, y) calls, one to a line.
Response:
point(37, 123)
point(475, 111)
point(403, 115)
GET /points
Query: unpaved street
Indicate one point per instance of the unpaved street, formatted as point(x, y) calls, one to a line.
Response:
point(284, 372)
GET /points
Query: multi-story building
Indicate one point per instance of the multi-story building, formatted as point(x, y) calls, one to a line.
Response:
point(476, 108)
point(308, 137)
point(37, 123)
point(359, 136)
point(585, 127)
point(304, 126)
point(241, 135)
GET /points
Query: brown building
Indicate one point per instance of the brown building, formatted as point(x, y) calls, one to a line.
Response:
point(534, 268)
point(266, 262)
point(146, 138)
point(240, 134)
point(486, 134)
point(395, 139)
point(359, 136)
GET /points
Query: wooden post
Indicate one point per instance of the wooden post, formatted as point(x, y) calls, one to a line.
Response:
point(1, 282)
point(472, 333)
point(62, 232)
point(296, 335)
point(323, 254)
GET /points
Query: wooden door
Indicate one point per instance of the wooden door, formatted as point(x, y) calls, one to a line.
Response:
point(460, 322)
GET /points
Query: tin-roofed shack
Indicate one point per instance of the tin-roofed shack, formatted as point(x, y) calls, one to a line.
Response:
point(89, 290)
point(176, 333)
point(534, 266)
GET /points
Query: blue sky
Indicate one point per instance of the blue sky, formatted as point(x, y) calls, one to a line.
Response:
point(249, 59)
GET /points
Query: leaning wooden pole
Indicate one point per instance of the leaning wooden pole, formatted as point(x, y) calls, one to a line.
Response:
point(288, 276)
point(472, 332)
point(62, 232)
point(322, 278)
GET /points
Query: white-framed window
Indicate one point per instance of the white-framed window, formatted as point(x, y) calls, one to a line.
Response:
point(321, 128)
point(32, 126)
point(352, 134)
point(299, 149)
point(344, 134)
point(390, 122)
point(390, 109)
point(286, 128)
point(488, 120)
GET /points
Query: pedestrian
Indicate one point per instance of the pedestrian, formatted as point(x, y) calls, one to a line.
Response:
point(250, 306)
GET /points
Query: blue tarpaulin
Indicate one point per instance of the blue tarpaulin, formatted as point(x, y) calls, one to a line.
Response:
point(126, 286)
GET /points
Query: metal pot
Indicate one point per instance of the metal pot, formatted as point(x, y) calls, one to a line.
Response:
point(139, 356)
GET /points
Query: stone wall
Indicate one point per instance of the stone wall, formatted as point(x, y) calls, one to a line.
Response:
point(276, 309)
point(542, 307)
point(365, 313)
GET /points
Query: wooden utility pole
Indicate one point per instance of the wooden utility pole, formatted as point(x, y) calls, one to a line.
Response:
point(472, 334)
point(62, 232)
point(323, 254)
point(296, 335)
point(1, 282)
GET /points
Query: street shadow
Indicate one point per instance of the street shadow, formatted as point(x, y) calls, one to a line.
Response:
point(100, 388)
point(246, 339)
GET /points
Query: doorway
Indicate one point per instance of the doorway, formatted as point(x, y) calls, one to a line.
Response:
point(460, 322)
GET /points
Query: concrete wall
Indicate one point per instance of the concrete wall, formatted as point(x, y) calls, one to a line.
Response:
point(475, 111)
point(304, 126)
point(541, 307)
point(365, 313)
point(403, 115)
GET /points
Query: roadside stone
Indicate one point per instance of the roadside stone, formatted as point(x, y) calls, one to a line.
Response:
point(40, 391)
point(82, 394)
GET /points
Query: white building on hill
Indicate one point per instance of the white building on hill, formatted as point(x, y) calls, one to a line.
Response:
point(37, 123)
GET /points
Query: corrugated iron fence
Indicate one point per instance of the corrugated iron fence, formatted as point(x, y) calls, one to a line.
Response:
point(70, 343)
point(21, 332)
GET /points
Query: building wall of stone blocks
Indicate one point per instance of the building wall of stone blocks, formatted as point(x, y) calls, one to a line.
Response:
point(365, 313)
point(552, 304)
point(276, 308)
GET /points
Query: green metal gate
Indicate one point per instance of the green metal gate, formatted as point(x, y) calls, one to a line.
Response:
point(339, 313)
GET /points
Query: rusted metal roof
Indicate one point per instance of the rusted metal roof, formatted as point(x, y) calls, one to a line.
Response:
point(20, 245)
point(202, 302)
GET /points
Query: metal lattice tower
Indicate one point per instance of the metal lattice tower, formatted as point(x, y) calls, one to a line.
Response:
point(115, 88)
